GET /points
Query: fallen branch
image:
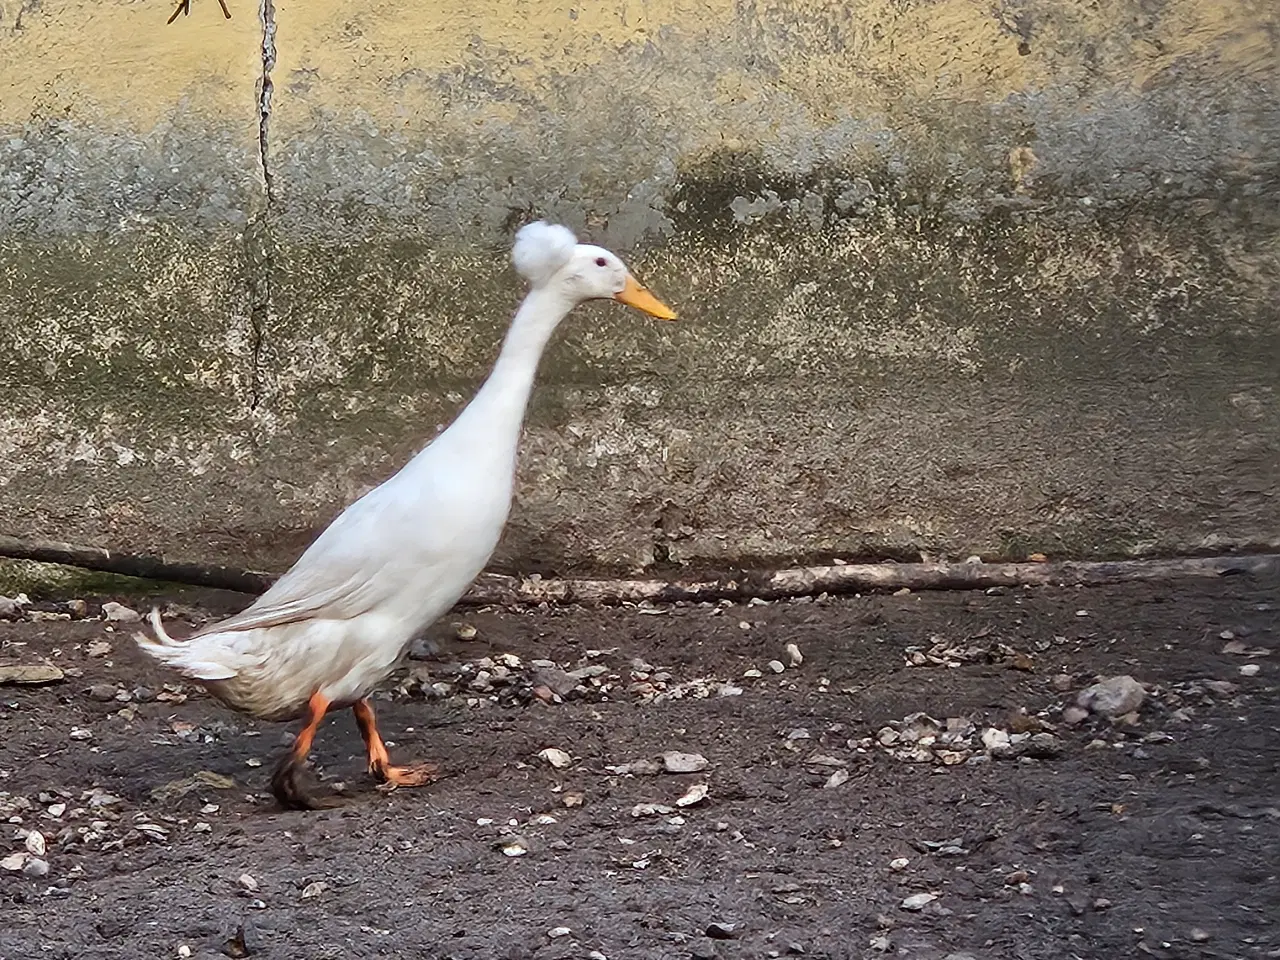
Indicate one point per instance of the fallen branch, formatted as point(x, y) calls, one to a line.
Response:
point(134, 565)
point(863, 578)
point(495, 588)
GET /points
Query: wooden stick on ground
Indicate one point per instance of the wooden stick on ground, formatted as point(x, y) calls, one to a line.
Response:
point(780, 584)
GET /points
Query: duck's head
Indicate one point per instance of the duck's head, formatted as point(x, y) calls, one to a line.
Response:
point(550, 257)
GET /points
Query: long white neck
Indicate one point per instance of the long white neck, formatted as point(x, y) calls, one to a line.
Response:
point(493, 418)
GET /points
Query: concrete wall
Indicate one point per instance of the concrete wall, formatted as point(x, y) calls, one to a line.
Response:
point(954, 276)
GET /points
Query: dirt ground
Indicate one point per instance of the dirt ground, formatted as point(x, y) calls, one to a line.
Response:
point(1155, 835)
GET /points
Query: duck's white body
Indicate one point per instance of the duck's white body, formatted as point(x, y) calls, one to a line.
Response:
point(341, 619)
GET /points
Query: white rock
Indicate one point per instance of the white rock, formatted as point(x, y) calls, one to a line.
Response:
point(555, 933)
point(119, 613)
point(794, 656)
point(248, 883)
point(14, 861)
point(556, 757)
point(836, 779)
point(35, 843)
point(997, 742)
point(673, 761)
point(776, 666)
point(1250, 670)
point(695, 794)
point(314, 889)
point(918, 901)
point(651, 810)
point(899, 863)
point(1112, 697)
point(514, 849)
point(35, 867)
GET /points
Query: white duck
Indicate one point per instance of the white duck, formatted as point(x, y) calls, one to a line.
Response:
point(341, 619)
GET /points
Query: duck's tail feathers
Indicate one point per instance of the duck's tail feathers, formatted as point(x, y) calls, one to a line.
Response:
point(192, 658)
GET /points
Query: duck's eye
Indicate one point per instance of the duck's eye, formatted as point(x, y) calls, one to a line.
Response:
point(600, 261)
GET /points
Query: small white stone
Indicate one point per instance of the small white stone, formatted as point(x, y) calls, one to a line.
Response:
point(555, 933)
point(918, 901)
point(776, 666)
point(695, 794)
point(794, 656)
point(899, 863)
point(1250, 670)
point(673, 761)
point(35, 867)
point(556, 757)
point(836, 779)
point(119, 613)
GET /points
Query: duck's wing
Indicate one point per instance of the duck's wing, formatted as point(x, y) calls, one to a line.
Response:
point(347, 571)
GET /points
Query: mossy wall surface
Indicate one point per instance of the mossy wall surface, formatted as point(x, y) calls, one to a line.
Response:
point(953, 276)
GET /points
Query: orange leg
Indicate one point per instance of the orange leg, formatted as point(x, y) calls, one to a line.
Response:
point(284, 780)
point(410, 775)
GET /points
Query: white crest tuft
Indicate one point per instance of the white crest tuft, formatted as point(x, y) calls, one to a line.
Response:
point(541, 249)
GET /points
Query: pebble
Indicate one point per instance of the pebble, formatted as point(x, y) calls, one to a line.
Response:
point(119, 613)
point(555, 680)
point(918, 901)
point(556, 757)
point(996, 742)
point(695, 794)
point(643, 767)
point(80, 733)
point(1112, 697)
point(34, 674)
point(1250, 670)
point(794, 656)
point(36, 867)
point(899, 863)
point(248, 883)
point(314, 889)
point(836, 779)
point(35, 843)
point(776, 666)
point(555, 933)
point(721, 931)
point(651, 810)
point(1073, 715)
point(673, 761)
point(1199, 935)
point(102, 692)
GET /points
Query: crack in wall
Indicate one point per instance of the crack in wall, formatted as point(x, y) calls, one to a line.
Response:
point(258, 245)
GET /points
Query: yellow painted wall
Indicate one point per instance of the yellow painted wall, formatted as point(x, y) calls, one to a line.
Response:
point(955, 275)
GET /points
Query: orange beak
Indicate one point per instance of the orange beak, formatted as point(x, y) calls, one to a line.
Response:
point(635, 295)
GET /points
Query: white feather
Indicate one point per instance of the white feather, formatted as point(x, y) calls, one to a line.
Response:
point(541, 249)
